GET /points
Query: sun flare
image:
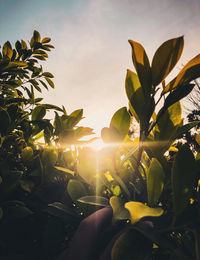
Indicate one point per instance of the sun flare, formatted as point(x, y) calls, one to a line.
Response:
point(97, 144)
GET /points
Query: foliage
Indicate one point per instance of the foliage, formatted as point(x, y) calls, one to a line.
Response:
point(151, 182)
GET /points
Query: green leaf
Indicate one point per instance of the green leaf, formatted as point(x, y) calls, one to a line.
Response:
point(83, 131)
point(5, 121)
point(135, 95)
point(188, 73)
point(44, 84)
point(119, 212)
point(177, 95)
point(73, 119)
point(50, 82)
point(48, 74)
point(76, 189)
point(7, 50)
point(94, 200)
point(36, 36)
point(121, 122)
point(155, 181)
point(38, 113)
point(165, 58)
point(131, 245)
point(139, 210)
point(16, 212)
point(142, 66)
point(183, 178)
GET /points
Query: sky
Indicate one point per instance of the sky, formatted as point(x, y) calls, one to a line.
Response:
point(91, 52)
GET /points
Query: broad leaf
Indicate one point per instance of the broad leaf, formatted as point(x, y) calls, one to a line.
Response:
point(155, 181)
point(142, 66)
point(64, 170)
point(76, 189)
point(183, 178)
point(165, 58)
point(38, 113)
point(188, 73)
point(119, 212)
point(121, 122)
point(94, 200)
point(139, 210)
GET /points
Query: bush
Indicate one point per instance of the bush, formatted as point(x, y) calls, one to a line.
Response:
point(151, 182)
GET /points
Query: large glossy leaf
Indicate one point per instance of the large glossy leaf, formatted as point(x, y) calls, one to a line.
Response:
point(121, 122)
point(188, 73)
point(183, 178)
point(61, 210)
point(94, 200)
point(155, 181)
point(131, 245)
point(165, 58)
point(119, 212)
point(142, 66)
point(76, 189)
point(139, 210)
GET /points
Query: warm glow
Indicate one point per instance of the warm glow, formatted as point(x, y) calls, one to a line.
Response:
point(97, 144)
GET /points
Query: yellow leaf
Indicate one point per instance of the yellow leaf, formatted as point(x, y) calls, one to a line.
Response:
point(139, 210)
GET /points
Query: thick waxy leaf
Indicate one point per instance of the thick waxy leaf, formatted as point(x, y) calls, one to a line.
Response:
point(183, 178)
point(94, 200)
point(131, 245)
point(38, 113)
point(135, 93)
point(121, 122)
point(155, 181)
point(177, 95)
point(188, 73)
point(7, 50)
point(139, 210)
point(4, 121)
point(142, 66)
point(76, 189)
point(165, 59)
point(119, 212)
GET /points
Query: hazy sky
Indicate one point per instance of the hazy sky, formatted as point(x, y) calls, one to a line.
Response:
point(91, 44)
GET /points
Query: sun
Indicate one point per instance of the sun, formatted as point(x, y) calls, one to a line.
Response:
point(97, 144)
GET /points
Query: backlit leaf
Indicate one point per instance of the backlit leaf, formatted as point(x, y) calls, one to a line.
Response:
point(165, 58)
point(142, 66)
point(155, 181)
point(119, 212)
point(76, 189)
point(139, 210)
point(38, 113)
point(94, 200)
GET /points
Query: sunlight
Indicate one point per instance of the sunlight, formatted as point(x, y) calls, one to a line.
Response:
point(97, 144)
